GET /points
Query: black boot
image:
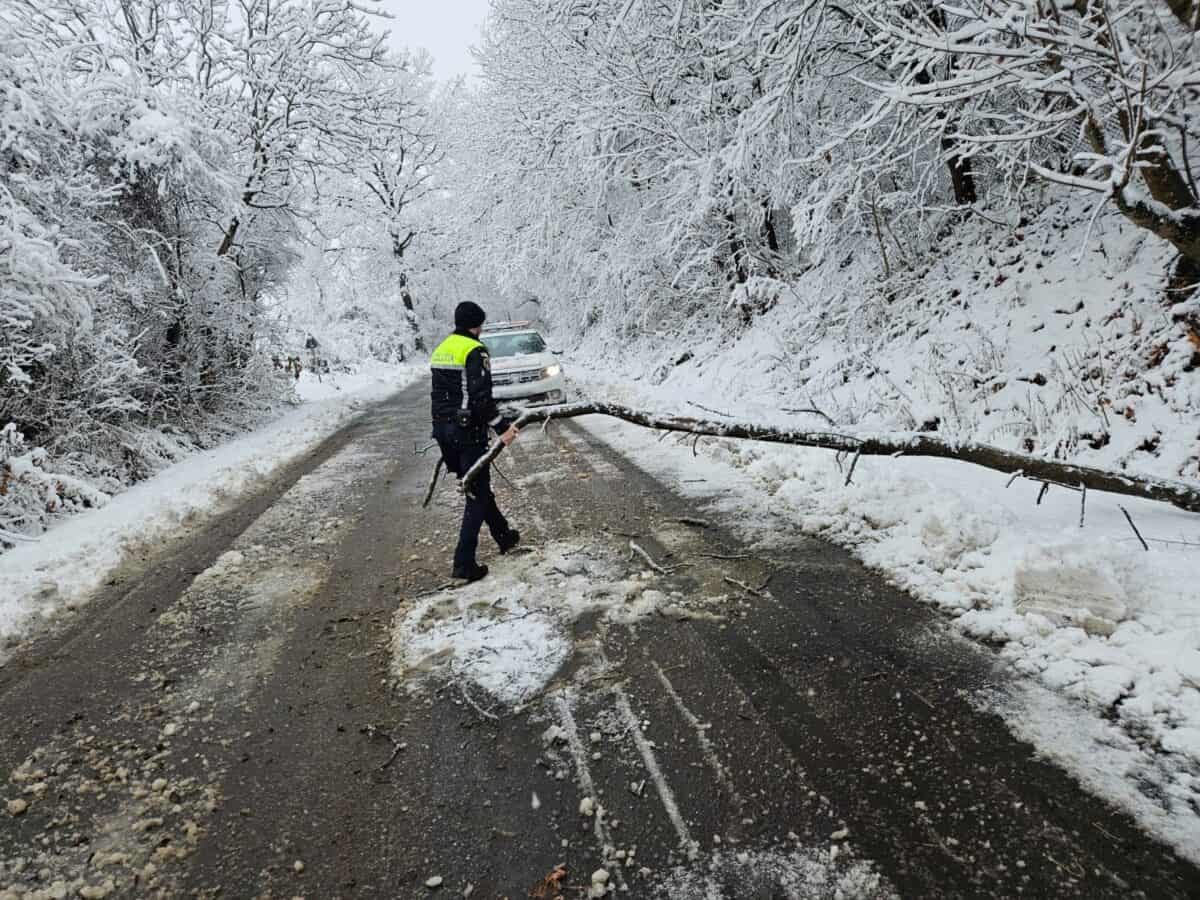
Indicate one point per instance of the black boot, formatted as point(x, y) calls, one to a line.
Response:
point(509, 540)
point(471, 573)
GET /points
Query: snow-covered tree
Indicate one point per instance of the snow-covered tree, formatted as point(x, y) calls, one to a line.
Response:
point(161, 164)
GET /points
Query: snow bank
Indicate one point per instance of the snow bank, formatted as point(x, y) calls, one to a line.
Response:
point(68, 562)
point(1085, 611)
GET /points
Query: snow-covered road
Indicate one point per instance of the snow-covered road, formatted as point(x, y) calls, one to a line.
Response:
point(649, 696)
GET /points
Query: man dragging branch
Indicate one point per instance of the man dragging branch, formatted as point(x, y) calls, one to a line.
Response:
point(463, 409)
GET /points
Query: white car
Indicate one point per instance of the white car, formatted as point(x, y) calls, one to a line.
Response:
point(524, 371)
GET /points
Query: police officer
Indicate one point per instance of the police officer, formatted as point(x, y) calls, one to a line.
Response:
point(463, 409)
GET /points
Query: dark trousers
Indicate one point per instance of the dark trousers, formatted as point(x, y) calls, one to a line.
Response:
point(460, 449)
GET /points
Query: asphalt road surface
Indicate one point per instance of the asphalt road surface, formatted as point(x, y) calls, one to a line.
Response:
point(286, 702)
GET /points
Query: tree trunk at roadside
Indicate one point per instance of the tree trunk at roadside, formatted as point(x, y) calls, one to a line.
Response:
point(962, 175)
point(1184, 11)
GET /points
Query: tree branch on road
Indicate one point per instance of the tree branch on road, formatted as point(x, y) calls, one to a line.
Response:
point(1181, 494)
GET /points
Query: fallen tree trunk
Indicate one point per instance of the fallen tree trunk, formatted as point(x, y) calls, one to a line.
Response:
point(1182, 494)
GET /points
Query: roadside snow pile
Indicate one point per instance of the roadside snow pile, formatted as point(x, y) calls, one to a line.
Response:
point(801, 874)
point(1085, 611)
point(510, 633)
point(72, 559)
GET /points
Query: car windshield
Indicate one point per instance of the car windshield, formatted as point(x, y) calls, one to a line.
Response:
point(519, 344)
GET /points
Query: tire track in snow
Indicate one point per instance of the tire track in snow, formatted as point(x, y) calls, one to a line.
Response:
point(566, 718)
point(707, 750)
point(665, 794)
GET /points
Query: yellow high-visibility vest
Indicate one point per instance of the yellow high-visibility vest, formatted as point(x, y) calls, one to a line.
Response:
point(452, 353)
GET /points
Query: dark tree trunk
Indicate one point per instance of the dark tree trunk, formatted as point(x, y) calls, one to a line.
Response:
point(1184, 11)
point(769, 227)
point(736, 251)
point(962, 176)
point(1172, 214)
point(228, 239)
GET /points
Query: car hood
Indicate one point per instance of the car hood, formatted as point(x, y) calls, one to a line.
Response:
point(526, 361)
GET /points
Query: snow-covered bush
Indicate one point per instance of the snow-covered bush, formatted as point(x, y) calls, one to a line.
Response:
point(156, 186)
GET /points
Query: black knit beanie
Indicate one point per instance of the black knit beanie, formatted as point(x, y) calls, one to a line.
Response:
point(468, 315)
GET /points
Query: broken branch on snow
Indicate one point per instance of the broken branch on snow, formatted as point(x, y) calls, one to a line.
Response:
point(1129, 519)
point(1178, 493)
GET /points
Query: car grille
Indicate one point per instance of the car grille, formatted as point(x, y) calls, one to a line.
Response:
point(524, 376)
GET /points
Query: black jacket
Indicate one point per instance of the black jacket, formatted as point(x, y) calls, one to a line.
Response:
point(454, 370)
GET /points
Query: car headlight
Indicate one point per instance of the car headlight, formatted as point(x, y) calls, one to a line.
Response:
point(551, 371)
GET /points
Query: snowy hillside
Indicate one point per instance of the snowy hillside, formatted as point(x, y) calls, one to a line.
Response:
point(1012, 337)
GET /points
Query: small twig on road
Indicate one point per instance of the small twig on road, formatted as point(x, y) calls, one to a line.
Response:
point(506, 620)
point(624, 534)
point(421, 451)
point(397, 746)
point(649, 560)
point(726, 555)
point(615, 678)
point(695, 444)
point(1145, 546)
point(688, 520)
point(373, 731)
point(745, 587)
point(437, 590)
point(487, 714)
point(918, 695)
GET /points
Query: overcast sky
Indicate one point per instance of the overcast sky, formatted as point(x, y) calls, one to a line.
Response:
point(446, 28)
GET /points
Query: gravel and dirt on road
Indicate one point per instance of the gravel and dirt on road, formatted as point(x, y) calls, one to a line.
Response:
point(291, 702)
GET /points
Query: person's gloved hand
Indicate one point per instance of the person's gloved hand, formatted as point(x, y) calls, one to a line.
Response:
point(510, 435)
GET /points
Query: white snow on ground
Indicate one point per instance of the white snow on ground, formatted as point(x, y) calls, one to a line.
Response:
point(799, 874)
point(510, 633)
point(72, 559)
point(1085, 611)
